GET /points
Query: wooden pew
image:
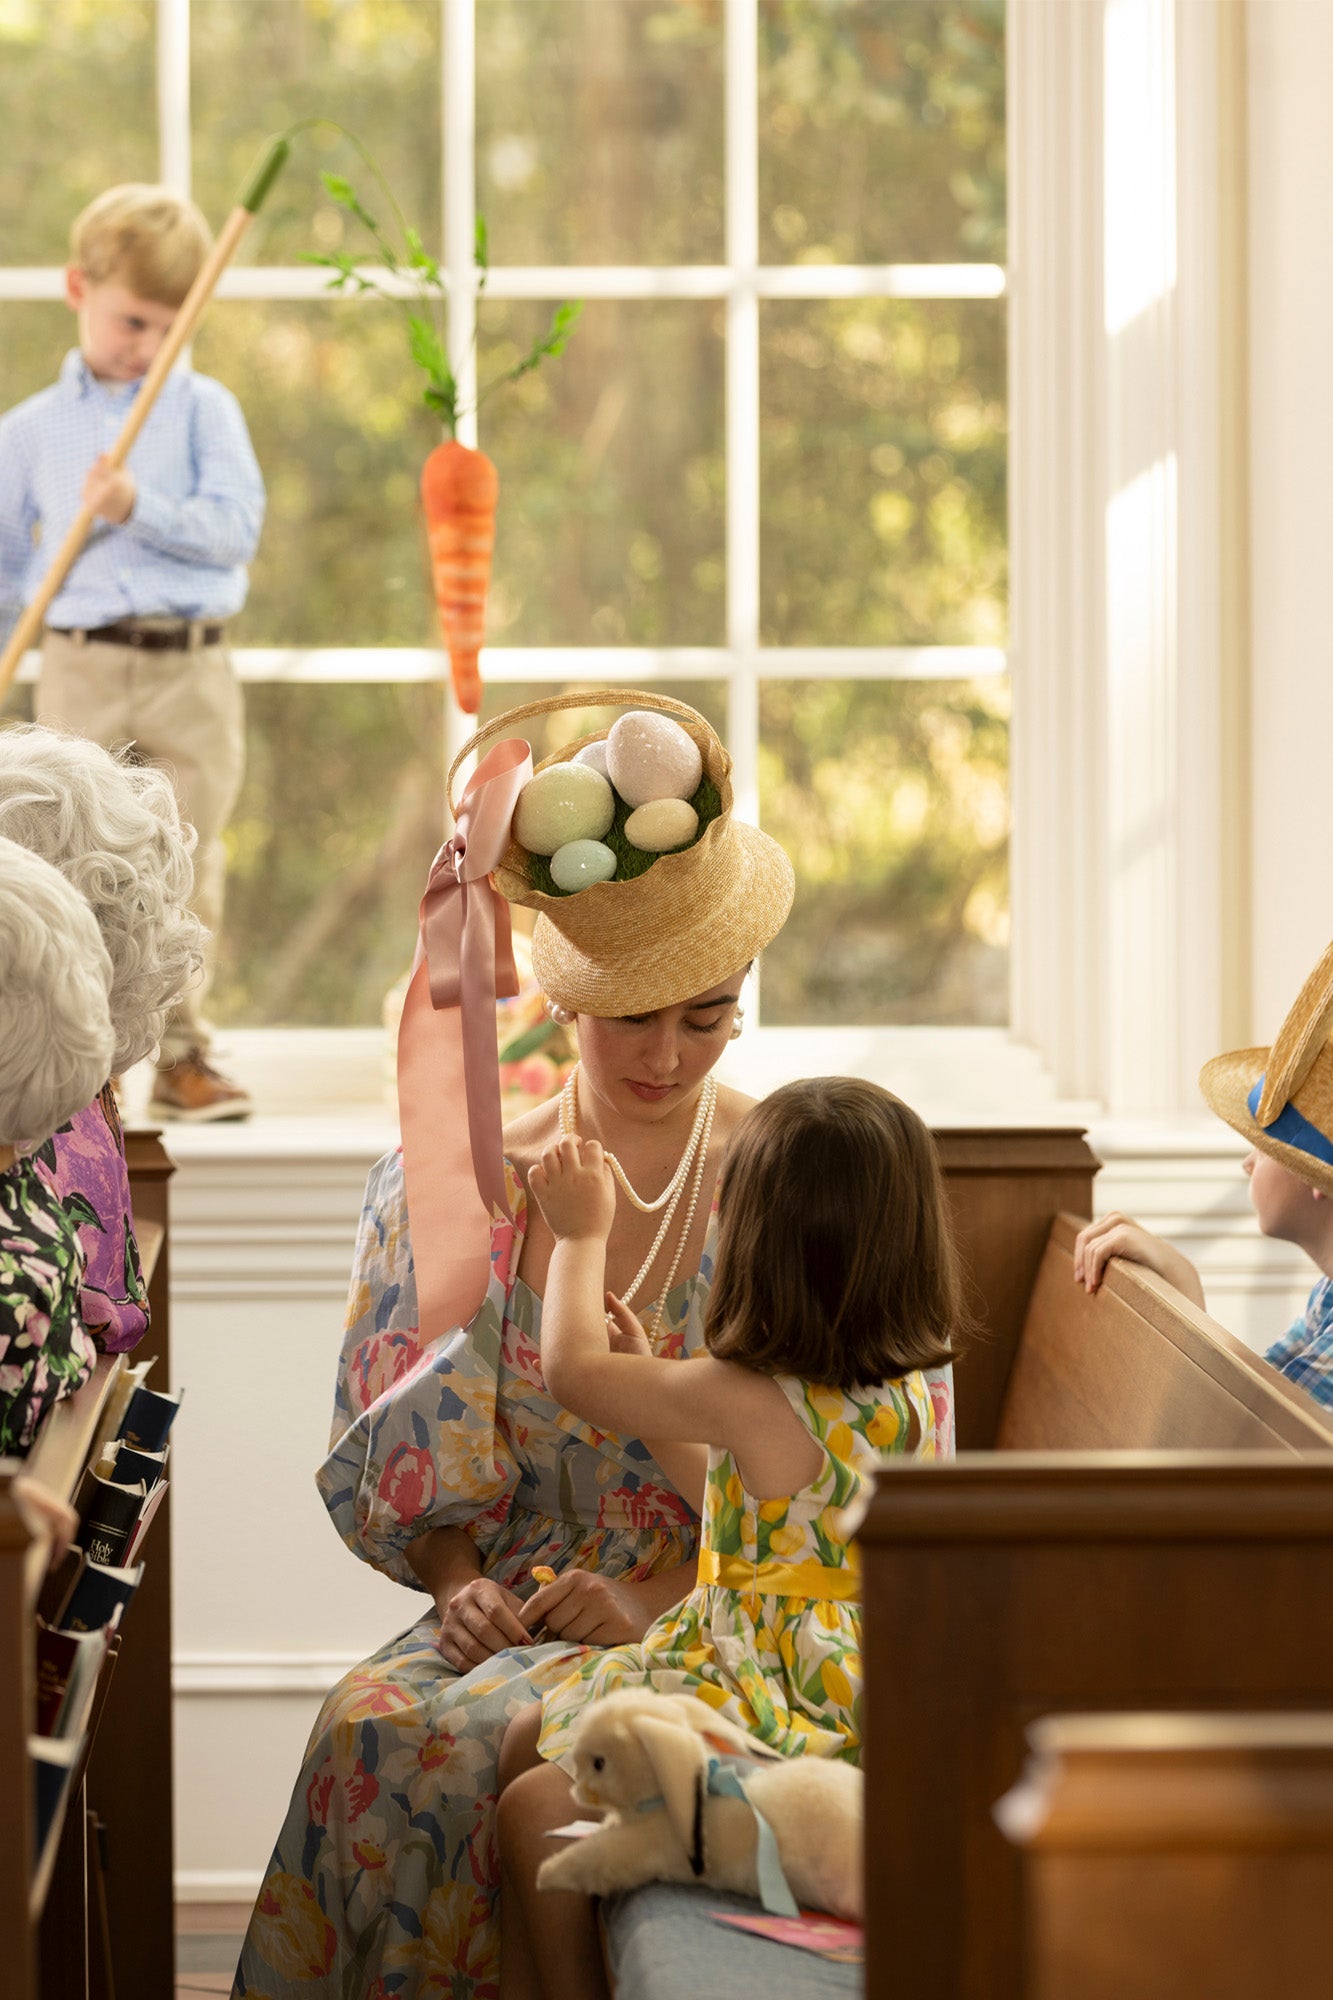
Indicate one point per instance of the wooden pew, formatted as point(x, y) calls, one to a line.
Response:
point(1153, 1530)
point(49, 1945)
point(1168, 1856)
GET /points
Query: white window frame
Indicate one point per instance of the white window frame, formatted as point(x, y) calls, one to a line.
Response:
point(1114, 853)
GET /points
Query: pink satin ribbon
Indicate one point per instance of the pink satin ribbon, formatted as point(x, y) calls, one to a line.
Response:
point(447, 1062)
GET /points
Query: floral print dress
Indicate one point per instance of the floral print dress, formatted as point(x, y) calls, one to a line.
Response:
point(385, 1874)
point(44, 1352)
point(772, 1634)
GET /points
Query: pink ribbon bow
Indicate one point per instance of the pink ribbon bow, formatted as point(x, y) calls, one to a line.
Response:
point(447, 1059)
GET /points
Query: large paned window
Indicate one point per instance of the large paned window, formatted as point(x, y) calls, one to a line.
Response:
point(768, 474)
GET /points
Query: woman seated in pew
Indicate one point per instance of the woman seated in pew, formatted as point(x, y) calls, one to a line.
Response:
point(1281, 1100)
point(55, 1046)
point(453, 1469)
point(112, 829)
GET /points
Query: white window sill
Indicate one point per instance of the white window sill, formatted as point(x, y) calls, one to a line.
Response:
point(330, 1092)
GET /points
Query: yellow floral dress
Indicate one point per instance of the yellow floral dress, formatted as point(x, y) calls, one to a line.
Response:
point(772, 1634)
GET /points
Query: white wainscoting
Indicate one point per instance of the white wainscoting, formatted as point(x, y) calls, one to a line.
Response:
point(270, 1608)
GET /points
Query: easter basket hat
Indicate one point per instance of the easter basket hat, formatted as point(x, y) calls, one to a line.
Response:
point(1281, 1098)
point(689, 920)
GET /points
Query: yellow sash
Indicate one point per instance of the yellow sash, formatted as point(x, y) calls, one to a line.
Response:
point(818, 1581)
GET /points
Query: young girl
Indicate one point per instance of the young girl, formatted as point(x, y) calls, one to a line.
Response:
point(830, 1330)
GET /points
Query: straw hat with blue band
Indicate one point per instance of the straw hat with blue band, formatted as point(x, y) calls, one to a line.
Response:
point(1281, 1098)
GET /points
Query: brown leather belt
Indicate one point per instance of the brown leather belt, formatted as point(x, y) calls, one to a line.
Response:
point(178, 637)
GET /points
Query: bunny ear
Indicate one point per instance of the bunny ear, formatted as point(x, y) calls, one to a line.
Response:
point(718, 1731)
point(1299, 1041)
point(680, 1765)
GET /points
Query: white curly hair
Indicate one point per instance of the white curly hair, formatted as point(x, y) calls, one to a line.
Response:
point(56, 1038)
point(113, 829)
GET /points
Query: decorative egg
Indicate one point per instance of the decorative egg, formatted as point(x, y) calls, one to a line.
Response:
point(651, 757)
point(662, 824)
point(562, 803)
point(580, 863)
point(594, 755)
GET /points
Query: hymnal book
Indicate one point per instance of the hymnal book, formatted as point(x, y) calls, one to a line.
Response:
point(150, 1507)
point(98, 1596)
point(123, 1464)
point(148, 1418)
point(68, 1664)
point(53, 1759)
point(110, 1516)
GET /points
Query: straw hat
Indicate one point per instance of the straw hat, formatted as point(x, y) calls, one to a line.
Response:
point(689, 921)
point(1281, 1099)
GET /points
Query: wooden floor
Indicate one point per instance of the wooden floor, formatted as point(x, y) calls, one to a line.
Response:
point(208, 1943)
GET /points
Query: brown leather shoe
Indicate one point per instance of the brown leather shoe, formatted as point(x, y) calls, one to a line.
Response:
point(193, 1091)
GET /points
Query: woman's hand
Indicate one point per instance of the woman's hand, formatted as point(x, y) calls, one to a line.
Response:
point(1117, 1235)
point(479, 1620)
point(574, 1190)
point(591, 1610)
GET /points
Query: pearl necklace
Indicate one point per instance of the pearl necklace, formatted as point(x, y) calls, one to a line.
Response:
point(694, 1156)
point(569, 1127)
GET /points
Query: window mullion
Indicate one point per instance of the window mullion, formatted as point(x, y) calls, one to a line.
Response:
point(173, 94)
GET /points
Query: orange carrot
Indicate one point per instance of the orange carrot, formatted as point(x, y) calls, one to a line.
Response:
point(459, 491)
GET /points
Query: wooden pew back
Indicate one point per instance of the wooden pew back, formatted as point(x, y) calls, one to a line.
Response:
point(1084, 1566)
point(1135, 1366)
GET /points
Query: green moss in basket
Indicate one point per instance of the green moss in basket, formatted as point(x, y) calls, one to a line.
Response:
point(631, 861)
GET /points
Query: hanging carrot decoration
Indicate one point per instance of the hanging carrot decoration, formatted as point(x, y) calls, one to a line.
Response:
point(459, 490)
point(459, 484)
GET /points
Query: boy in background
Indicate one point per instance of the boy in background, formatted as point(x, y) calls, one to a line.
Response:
point(134, 648)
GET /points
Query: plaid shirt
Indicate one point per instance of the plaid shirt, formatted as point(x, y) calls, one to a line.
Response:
point(197, 512)
point(1305, 1352)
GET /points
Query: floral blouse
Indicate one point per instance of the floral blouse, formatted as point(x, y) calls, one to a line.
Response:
point(44, 1352)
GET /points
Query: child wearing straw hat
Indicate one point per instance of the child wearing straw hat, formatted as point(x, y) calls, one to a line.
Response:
point(1281, 1100)
point(134, 648)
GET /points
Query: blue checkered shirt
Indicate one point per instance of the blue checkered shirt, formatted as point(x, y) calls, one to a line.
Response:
point(1305, 1352)
point(197, 513)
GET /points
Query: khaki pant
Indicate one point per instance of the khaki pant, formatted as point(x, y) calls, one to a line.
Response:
point(181, 710)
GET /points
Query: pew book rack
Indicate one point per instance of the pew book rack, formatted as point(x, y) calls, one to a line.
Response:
point(72, 1929)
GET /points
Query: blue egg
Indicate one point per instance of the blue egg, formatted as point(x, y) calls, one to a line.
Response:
point(580, 863)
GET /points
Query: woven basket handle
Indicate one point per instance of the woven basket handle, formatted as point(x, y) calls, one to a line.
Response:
point(551, 704)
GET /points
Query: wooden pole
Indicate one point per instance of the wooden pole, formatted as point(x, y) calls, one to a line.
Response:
point(180, 330)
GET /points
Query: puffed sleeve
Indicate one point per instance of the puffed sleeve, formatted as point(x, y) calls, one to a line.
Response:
point(415, 1444)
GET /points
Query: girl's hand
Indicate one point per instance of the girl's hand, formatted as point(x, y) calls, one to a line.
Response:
point(480, 1619)
point(574, 1190)
point(590, 1610)
point(624, 1331)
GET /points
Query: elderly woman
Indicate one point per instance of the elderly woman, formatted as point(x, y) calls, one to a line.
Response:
point(55, 1045)
point(453, 1470)
point(112, 829)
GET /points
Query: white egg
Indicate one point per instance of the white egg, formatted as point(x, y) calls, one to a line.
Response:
point(562, 803)
point(662, 824)
point(594, 755)
point(651, 757)
point(580, 863)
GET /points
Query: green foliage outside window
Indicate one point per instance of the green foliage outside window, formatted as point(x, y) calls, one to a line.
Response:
point(600, 135)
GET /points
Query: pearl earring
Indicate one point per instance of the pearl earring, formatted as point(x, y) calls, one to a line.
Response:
point(564, 1017)
point(737, 1026)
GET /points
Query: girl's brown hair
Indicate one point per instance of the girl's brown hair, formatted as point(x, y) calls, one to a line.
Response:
point(836, 1259)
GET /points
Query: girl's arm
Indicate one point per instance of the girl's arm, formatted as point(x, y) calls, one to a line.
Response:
point(686, 1465)
point(700, 1401)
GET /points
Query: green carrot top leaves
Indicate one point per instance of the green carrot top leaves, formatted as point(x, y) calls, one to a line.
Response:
point(416, 282)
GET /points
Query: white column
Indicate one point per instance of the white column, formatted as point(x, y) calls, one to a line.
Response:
point(1118, 531)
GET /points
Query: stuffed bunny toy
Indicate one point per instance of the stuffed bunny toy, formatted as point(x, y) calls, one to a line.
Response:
point(690, 1797)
